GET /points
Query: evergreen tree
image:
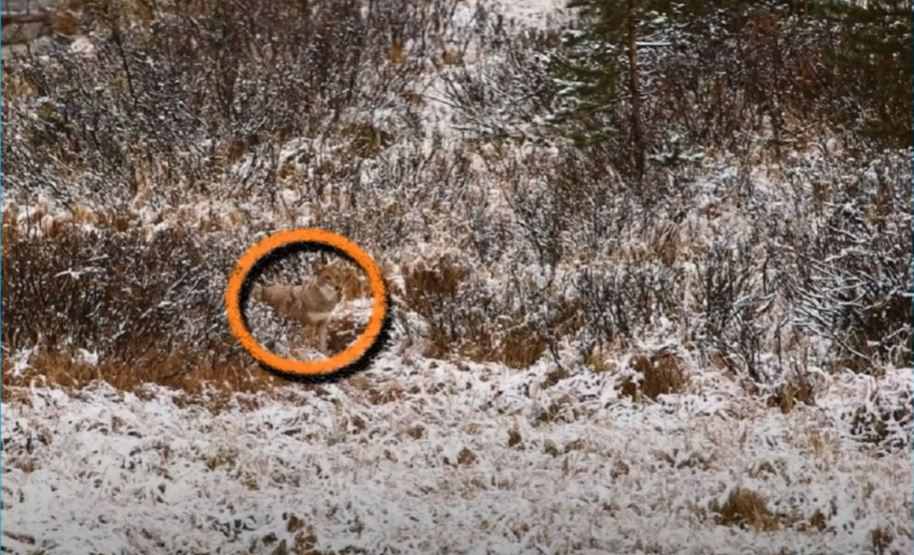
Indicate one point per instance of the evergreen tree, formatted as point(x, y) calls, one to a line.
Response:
point(600, 65)
point(872, 60)
point(864, 77)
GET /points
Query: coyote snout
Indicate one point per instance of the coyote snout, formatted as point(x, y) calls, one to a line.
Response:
point(310, 304)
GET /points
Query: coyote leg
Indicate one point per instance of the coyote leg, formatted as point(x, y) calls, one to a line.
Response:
point(322, 337)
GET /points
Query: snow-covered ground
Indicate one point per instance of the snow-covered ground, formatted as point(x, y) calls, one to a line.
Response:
point(421, 456)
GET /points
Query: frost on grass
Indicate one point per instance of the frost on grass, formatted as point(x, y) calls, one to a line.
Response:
point(496, 457)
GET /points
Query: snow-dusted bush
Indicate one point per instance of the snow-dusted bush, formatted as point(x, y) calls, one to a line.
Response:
point(129, 300)
point(848, 259)
point(173, 104)
point(242, 119)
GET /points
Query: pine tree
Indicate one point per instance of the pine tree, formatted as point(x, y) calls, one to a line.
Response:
point(600, 67)
point(873, 61)
point(603, 68)
point(863, 81)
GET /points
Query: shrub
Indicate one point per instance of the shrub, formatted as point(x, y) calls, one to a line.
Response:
point(164, 307)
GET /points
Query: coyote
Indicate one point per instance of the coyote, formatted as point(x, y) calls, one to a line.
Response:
point(310, 304)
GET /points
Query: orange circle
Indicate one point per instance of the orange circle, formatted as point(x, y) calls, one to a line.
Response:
point(306, 235)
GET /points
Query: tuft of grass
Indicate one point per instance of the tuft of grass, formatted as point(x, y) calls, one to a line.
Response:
point(466, 457)
point(661, 374)
point(429, 283)
point(515, 439)
point(555, 376)
point(881, 539)
point(522, 347)
point(818, 521)
point(745, 507)
point(600, 360)
point(788, 394)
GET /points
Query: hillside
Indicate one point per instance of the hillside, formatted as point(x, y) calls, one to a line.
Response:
point(700, 344)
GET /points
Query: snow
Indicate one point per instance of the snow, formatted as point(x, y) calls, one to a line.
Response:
point(540, 14)
point(103, 471)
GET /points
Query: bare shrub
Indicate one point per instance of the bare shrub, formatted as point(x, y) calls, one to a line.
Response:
point(620, 302)
point(733, 299)
point(58, 295)
point(500, 100)
point(848, 265)
point(180, 98)
point(513, 324)
point(883, 420)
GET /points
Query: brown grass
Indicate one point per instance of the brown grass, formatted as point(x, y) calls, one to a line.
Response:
point(183, 370)
point(466, 457)
point(602, 357)
point(515, 439)
point(152, 311)
point(146, 308)
point(522, 347)
point(427, 281)
point(881, 539)
point(745, 507)
point(555, 376)
point(787, 395)
point(65, 22)
point(396, 53)
point(662, 373)
point(468, 320)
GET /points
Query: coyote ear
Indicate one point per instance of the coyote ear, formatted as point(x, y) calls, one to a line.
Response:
point(257, 292)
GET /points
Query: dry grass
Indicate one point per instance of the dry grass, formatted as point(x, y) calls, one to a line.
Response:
point(745, 507)
point(183, 370)
point(148, 326)
point(662, 374)
point(787, 395)
point(602, 358)
point(469, 320)
point(881, 538)
point(555, 376)
point(522, 347)
point(429, 282)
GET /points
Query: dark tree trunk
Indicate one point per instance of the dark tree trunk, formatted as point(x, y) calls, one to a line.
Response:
point(634, 89)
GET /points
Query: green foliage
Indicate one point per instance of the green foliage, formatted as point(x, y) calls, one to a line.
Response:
point(592, 58)
point(858, 61)
point(587, 67)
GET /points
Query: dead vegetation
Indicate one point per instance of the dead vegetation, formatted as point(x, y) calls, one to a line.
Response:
point(658, 374)
point(746, 508)
point(513, 248)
